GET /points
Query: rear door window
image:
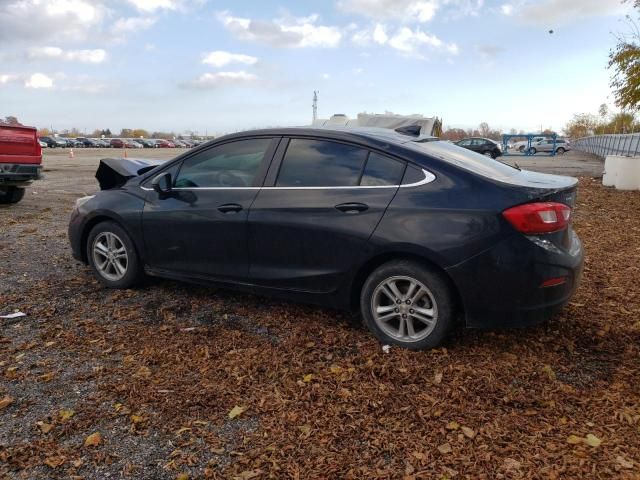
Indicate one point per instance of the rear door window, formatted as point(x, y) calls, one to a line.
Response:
point(320, 163)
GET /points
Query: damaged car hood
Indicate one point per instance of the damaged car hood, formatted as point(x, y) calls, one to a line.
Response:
point(115, 172)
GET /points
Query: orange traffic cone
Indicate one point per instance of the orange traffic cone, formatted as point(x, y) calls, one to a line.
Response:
point(71, 153)
point(125, 153)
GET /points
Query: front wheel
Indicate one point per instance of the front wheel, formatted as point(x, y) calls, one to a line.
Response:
point(407, 304)
point(9, 195)
point(489, 154)
point(113, 257)
point(532, 151)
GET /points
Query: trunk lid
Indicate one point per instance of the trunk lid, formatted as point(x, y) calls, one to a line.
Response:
point(544, 187)
point(115, 172)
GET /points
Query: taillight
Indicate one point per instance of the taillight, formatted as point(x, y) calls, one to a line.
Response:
point(540, 217)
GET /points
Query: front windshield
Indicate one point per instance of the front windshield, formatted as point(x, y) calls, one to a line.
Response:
point(464, 158)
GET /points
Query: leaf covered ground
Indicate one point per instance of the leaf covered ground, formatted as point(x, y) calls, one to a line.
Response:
point(175, 381)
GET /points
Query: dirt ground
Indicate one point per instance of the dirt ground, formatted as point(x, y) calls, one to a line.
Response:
point(172, 381)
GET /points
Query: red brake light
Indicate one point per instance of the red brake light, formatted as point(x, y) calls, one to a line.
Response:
point(536, 218)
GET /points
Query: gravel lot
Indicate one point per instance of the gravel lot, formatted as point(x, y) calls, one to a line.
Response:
point(156, 372)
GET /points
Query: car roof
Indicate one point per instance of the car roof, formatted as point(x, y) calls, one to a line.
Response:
point(367, 134)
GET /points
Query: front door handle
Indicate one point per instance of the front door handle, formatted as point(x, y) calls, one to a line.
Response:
point(230, 208)
point(352, 207)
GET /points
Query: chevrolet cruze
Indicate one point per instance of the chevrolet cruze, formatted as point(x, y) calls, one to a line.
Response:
point(413, 235)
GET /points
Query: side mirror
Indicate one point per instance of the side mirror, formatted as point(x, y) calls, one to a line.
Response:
point(162, 183)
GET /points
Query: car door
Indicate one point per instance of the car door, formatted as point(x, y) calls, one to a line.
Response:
point(200, 227)
point(311, 221)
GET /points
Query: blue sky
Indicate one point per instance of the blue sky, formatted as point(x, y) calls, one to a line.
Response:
point(217, 66)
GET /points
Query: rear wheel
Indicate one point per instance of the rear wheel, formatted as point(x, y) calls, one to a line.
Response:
point(560, 151)
point(521, 148)
point(489, 154)
point(407, 304)
point(113, 257)
point(10, 195)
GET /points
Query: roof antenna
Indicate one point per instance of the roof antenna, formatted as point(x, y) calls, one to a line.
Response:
point(315, 105)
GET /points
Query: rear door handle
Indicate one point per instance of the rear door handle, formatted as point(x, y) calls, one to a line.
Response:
point(352, 207)
point(230, 208)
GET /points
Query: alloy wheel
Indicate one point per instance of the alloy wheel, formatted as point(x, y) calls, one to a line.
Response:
point(110, 256)
point(404, 309)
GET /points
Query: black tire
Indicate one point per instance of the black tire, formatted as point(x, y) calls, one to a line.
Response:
point(440, 294)
point(560, 151)
point(10, 195)
point(134, 272)
point(521, 148)
point(490, 154)
point(533, 151)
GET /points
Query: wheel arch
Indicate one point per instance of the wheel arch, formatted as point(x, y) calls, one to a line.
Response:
point(95, 220)
point(376, 261)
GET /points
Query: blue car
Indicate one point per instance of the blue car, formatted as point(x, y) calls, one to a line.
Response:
point(413, 235)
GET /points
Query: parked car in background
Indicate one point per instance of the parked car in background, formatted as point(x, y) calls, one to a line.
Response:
point(87, 142)
point(561, 146)
point(146, 143)
point(74, 143)
point(179, 143)
point(116, 143)
point(522, 145)
point(128, 143)
point(43, 144)
point(164, 144)
point(484, 146)
point(413, 235)
point(20, 161)
point(51, 143)
point(102, 142)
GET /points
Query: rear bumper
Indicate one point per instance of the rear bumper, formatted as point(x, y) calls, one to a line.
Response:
point(19, 174)
point(502, 287)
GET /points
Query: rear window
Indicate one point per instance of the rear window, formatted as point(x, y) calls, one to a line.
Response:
point(381, 170)
point(466, 159)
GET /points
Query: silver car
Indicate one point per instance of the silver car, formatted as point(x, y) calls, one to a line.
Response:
point(547, 145)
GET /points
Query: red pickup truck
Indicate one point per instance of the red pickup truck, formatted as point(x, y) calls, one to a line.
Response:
point(20, 161)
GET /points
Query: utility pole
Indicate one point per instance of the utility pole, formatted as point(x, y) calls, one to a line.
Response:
point(315, 105)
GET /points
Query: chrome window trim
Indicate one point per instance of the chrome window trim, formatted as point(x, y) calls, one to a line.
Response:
point(428, 178)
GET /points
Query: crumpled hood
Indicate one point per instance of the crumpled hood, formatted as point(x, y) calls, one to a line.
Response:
point(115, 172)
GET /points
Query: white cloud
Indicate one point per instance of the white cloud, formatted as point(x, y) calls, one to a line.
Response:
point(38, 80)
point(404, 39)
point(489, 51)
point(506, 9)
point(553, 12)
point(8, 77)
point(132, 25)
point(153, 5)
point(285, 32)
point(325, 76)
point(221, 79)
point(83, 56)
point(220, 58)
point(405, 10)
point(33, 20)
point(379, 35)
point(410, 42)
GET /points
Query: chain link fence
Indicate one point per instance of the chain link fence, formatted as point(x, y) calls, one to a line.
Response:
point(603, 145)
